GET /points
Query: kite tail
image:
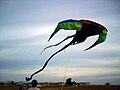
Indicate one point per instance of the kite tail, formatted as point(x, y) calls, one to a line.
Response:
point(28, 79)
point(50, 46)
point(57, 43)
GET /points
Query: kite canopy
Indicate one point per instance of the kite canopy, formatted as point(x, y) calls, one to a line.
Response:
point(84, 29)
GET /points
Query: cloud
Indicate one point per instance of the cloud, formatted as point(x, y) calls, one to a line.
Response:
point(74, 72)
point(104, 73)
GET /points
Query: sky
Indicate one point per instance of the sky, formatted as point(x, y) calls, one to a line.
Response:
point(25, 26)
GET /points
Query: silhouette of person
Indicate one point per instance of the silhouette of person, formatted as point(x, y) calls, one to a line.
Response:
point(34, 85)
point(20, 88)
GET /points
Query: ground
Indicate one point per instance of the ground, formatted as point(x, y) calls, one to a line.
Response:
point(87, 87)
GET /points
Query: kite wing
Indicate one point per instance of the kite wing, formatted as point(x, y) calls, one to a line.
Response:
point(67, 25)
point(101, 38)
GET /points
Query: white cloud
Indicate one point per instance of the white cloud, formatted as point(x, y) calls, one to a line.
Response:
point(22, 32)
point(60, 72)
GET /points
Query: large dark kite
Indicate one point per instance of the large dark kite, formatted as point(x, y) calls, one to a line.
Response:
point(84, 29)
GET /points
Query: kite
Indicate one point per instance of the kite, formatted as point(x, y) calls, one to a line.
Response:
point(84, 29)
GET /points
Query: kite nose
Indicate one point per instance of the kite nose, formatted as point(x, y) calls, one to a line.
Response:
point(51, 36)
point(49, 39)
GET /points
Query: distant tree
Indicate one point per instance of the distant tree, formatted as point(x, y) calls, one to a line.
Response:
point(2, 83)
point(69, 82)
point(107, 84)
point(12, 82)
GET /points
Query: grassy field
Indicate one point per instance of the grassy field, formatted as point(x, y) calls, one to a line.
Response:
point(90, 87)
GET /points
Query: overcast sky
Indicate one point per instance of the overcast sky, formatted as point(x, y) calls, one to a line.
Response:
point(25, 26)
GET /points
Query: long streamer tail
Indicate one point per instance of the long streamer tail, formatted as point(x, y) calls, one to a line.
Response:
point(68, 37)
point(28, 79)
point(50, 47)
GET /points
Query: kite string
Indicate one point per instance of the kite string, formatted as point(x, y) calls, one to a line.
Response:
point(66, 69)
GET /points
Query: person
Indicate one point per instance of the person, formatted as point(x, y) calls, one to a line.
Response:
point(34, 85)
point(20, 88)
